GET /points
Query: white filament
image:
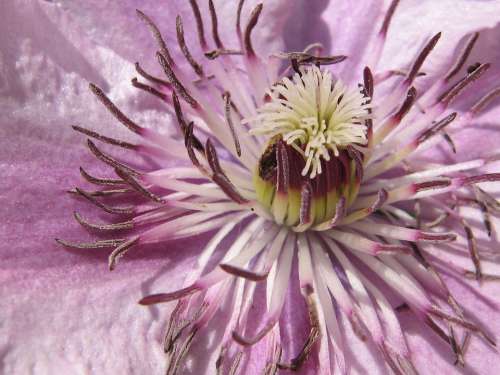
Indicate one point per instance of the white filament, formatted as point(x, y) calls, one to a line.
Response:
point(314, 114)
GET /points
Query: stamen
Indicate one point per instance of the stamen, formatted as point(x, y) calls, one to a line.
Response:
point(185, 51)
point(464, 55)
point(212, 55)
point(368, 81)
point(104, 193)
point(448, 96)
point(484, 101)
point(182, 123)
point(244, 273)
point(421, 58)
point(108, 159)
point(472, 246)
point(120, 251)
point(227, 111)
point(157, 35)
point(388, 17)
point(108, 209)
point(238, 19)
point(219, 177)
point(129, 124)
point(103, 138)
point(254, 18)
point(148, 89)
point(304, 58)
point(236, 364)
point(189, 141)
point(199, 24)
point(436, 128)
point(91, 245)
point(305, 217)
point(175, 82)
point(215, 30)
point(103, 227)
point(151, 78)
point(137, 186)
point(99, 181)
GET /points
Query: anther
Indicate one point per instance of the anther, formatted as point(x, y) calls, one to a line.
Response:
point(181, 90)
point(148, 89)
point(105, 207)
point(108, 159)
point(215, 27)
point(100, 181)
point(421, 58)
point(199, 23)
point(254, 18)
point(185, 51)
point(103, 138)
point(464, 55)
point(229, 120)
point(132, 126)
point(120, 251)
point(149, 77)
point(157, 35)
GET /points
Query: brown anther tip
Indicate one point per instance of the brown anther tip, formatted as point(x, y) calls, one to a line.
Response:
point(240, 339)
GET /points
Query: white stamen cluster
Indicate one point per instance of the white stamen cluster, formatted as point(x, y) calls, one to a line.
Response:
point(314, 113)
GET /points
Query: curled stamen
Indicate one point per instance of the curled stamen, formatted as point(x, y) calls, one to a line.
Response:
point(103, 138)
point(182, 123)
point(167, 297)
point(219, 177)
point(108, 159)
point(175, 82)
point(254, 18)
point(185, 51)
point(120, 251)
point(102, 227)
point(148, 89)
point(108, 209)
point(137, 186)
point(472, 246)
point(450, 142)
point(149, 77)
point(113, 109)
point(99, 181)
point(227, 111)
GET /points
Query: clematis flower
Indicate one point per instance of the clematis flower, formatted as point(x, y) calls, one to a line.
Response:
point(323, 205)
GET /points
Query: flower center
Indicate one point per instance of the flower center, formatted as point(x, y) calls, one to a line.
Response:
point(313, 160)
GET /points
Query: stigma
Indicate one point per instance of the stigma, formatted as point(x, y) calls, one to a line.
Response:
point(313, 161)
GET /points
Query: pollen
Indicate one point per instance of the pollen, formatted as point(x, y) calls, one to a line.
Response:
point(314, 113)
